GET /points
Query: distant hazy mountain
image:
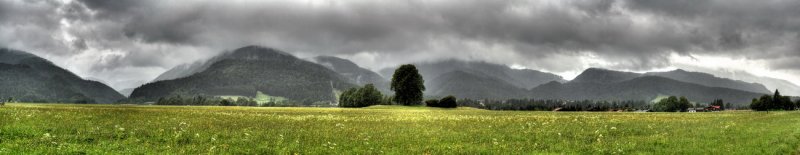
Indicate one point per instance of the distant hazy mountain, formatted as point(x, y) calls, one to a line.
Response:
point(601, 84)
point(469, 85)
point(711, 80)
point(597, 75)
point(249, 69)
point(521, 78)
point(353, 72)
point(126, 92)
point(478, 80)
point(786, 87)
point(29, 78)
point(185, 70)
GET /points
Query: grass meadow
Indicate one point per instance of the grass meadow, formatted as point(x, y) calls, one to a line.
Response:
point(134, 129)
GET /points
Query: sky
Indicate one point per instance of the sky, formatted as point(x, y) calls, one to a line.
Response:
point(125, 43)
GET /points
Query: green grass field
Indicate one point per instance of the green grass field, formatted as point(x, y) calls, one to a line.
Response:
point(131, 129)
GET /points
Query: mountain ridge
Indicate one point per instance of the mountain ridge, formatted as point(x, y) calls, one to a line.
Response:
point(249, 69)
point(28, 77)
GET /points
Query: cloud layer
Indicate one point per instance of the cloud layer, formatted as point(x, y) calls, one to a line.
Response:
point(128, 42)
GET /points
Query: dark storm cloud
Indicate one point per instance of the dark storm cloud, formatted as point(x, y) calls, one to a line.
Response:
point(628, 34)
point(609, 28)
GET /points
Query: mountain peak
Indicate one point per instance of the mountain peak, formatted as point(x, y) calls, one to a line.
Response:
point(352, 71)
point(599, 75)
point(25, 73)
point(335, 62)
point(11, 56)
point(249, 70)
point(707, 79)
point(258, 52)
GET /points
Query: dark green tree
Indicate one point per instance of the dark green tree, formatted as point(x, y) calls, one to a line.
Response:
point(370, 95)
point(774, 102)
point(408, 85)
point(786, 103)
point(432, 103)
point(360, 97)
point(225, 102)
point(346, 98)
point(762, 104)
point(448, 102)
point(671, 104)
point(797, 104)
point(684, 104)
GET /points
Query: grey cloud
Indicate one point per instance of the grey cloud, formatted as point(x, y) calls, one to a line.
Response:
point(632, 34)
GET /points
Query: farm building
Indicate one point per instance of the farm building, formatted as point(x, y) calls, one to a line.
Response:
point(713, 108)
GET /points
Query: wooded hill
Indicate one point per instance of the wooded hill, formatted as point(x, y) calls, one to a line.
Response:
point(29, 78)
point(247, 70)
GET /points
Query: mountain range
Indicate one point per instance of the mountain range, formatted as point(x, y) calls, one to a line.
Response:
point(467, 78)
point(250, 70)
point(29, 78)
point(710, 80)
point(354, 73)
point(602, 84)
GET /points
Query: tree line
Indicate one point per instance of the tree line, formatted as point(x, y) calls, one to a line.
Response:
point(672, 104)
point(774, 102)
point(555, 104)
point(219, 101)
point(408, 86)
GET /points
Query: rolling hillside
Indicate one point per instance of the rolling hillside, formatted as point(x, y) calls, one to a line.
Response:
point(247, 70)
point(29, 78)
point(468, 85)
point(711, 80)
point(600, 84)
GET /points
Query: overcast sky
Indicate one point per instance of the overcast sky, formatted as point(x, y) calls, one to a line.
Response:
point(125, 43)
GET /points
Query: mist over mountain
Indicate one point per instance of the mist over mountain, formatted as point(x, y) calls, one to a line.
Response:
point(247, 70)
point(126, 92)
point(785, 87)
point(475, 86)
point(520, 79)
point(29, 78)
point(355, 73)
point(603, 76)
point(185, 70)
point(711, 80)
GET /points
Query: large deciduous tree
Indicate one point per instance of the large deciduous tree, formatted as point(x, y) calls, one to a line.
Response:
point(407, 85)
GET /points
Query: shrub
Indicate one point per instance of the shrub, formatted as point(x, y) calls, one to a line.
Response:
point(448, 102)
point(672, 104)
point(360, 97)
point(432, 103)
point(225, 102)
